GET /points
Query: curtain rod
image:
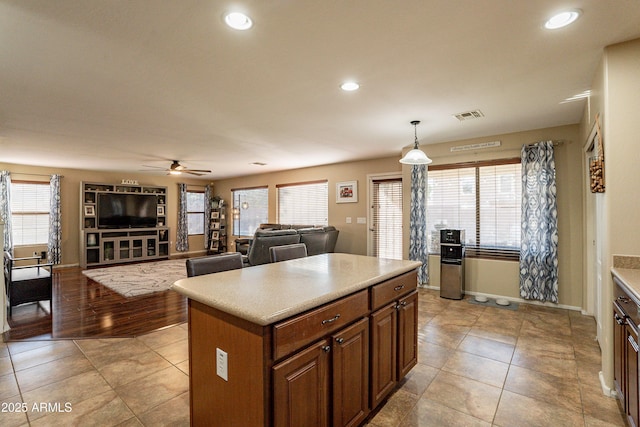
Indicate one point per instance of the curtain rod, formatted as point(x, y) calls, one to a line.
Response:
point(35, 174)
point(556, 142)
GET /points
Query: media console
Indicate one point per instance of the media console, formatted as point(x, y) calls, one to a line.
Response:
point(122, 223)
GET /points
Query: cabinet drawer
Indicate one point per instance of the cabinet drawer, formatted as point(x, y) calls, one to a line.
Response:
point(628, 304)
point(391, 289)
point(301, 330)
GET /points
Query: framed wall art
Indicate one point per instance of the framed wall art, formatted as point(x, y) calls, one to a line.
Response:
point(347, 192)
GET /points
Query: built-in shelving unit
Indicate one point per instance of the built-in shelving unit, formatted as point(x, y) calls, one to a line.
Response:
point(103, 246)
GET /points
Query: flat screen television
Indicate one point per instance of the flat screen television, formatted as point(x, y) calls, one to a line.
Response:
point(116, 210)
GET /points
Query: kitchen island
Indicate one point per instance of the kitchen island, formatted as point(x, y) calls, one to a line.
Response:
point(318, 341)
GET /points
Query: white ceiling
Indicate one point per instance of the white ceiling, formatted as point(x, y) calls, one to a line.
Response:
point(118, 84)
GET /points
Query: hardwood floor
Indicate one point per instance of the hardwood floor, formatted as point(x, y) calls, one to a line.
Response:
point(82, 308)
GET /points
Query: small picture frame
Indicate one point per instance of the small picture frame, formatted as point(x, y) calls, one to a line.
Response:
point(215, 215)
point(214, 245)
point(347, 192)
point(89, 210)
point(215, 235)
point(161, 210)
point(215, 226)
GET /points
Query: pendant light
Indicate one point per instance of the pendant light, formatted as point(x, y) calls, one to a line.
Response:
point(415, 156)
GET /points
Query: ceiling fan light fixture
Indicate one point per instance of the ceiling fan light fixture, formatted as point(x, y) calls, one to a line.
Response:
point(562, 19)
point(415, 156)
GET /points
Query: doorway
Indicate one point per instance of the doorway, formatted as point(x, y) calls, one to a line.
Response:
point(593, 237)
point(385, 216)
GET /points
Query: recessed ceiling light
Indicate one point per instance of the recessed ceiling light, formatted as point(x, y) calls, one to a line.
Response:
point(238, 21)
point(562, 19)
point(349, 86)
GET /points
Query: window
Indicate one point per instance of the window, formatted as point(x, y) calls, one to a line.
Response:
point(387, 218)
point(484, 199)
point(195, 212)
point(306, 203)
point(250, 209)
point(30, 213)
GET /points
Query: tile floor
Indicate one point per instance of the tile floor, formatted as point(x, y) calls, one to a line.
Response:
point(478, 366)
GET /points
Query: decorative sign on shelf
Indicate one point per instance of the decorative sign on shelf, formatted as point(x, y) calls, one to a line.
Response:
point(478, 146)
point(129, 182)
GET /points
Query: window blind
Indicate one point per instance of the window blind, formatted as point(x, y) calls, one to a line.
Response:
point(251, 208)
point(484, 199)
point(387, 218)
point(305, 203)
point(195, 212)
point(30, 204)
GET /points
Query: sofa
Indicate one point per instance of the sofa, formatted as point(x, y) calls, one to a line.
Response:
point(318, 240)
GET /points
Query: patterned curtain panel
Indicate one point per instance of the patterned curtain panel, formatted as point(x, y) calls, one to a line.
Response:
point(5, 209)
point(539, 245)
point(418, 247)
point(55, 232)
point(182, 238)
point(207, 214)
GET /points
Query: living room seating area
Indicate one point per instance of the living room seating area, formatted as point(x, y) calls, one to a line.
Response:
point(318, 240)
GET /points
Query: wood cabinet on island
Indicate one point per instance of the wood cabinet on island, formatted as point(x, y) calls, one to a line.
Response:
point(291, 343)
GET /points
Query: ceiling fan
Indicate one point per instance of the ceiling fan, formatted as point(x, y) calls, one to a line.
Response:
point(176, 169)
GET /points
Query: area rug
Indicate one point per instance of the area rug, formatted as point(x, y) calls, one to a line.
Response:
point(139, 279)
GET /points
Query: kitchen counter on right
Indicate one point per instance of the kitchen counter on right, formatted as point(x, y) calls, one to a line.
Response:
point(627, 270)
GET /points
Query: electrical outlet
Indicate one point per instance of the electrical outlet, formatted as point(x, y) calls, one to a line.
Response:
point(222, 364)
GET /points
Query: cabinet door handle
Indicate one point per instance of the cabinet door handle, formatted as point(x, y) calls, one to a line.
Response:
point(633, 343)
point(619, 320)
point(398, 288)
point(333, 319)
point(340, 340)
point(624, 299)
point(326, 348)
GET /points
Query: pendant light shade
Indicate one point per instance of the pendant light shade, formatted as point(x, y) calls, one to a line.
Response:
point(415, 156)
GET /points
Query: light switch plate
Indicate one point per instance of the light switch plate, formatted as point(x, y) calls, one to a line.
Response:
point(362, 220)
point(348, 220)
point(222, 364)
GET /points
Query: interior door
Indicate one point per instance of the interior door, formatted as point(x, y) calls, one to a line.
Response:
point(385, 216)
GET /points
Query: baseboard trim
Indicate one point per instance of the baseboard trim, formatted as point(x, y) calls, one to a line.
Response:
point(512, 299)
point(606, 390)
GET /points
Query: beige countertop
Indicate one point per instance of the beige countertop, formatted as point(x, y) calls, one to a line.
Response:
point(265, 294)
point(630, 278)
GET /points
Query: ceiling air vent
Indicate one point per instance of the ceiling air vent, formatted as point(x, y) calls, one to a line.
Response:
point(468, 115)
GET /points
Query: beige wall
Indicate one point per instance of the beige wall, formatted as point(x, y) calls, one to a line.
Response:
point(70, 199)
point(352, 237)
point(502, 277)
point(617, 99)
point(483, 276)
